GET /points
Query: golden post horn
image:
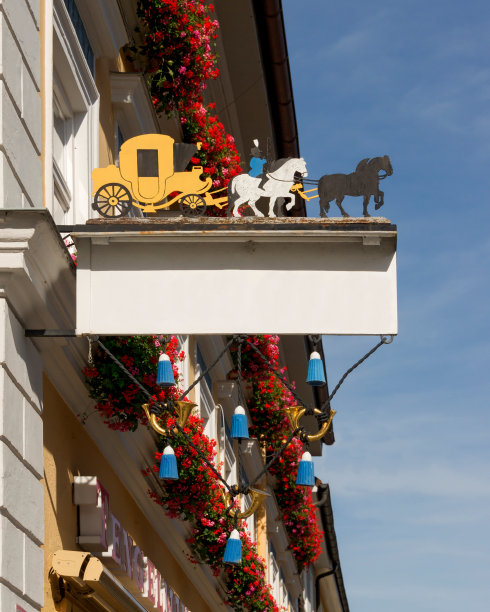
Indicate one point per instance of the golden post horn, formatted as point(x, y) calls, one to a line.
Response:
point(257, 496)
point(324, 428)
point(295, 414)
point(152, 419)
point(183, 410)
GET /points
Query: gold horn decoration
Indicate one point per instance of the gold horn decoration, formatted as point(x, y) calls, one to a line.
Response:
point(295, 414)
point(152, 419)
point(183, 410)
point(257, 496)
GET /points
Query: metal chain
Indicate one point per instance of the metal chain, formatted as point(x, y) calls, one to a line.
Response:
point(90, 358)
point(241, 396)
point(242, 486)
point(241, 400)
point(315, 340)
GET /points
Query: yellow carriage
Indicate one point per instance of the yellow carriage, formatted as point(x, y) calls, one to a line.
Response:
point(146, 179)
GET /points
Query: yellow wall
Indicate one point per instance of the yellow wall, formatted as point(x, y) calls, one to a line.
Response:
point(69, 451)
point(106, 115)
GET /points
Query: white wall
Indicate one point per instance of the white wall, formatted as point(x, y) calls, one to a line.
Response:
point(21, 468)
point(21, 438)
point(20, 116)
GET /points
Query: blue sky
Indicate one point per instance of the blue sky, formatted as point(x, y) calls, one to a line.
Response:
point(409, 472)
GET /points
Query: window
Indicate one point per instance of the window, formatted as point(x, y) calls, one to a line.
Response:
point(81, 33)
point(147, 160)
point(250, 521)
point(74, 118)
point(62, 147)
point(274, 573)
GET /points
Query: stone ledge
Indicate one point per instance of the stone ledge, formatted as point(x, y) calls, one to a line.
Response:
point(180, 223)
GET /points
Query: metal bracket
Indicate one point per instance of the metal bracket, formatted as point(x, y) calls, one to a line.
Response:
point(51, 333)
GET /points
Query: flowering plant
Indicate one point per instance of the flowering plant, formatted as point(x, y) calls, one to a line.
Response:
point(269, 397)
point(197, 496)
point(177, 49)
point(218, 153)
point(177, 56)
point(119, 400)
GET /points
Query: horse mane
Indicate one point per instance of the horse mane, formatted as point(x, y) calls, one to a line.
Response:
point(277, 163)
point(363, 164)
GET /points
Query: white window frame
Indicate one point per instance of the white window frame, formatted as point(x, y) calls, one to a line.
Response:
point(274, 573)
point(207, 410)
point(250, 521)
point(75, 90)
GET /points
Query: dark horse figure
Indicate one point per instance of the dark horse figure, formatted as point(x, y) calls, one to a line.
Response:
point(363, 182)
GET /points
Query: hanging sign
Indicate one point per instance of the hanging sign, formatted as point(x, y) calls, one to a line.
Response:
point(226, 276)
point(151, 176)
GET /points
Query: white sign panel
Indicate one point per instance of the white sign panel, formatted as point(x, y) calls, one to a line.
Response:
point(222, 282)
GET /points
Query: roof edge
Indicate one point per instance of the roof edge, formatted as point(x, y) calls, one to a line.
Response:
point(272, 38)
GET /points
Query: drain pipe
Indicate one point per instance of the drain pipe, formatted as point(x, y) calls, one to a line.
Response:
point(317, 583)
point(324, 506)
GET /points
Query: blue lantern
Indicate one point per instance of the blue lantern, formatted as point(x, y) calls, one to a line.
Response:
point(168, 465)
point(165, 375)
point(306, 473)
point(233, 550)
point(239, 427)
point(316, 373)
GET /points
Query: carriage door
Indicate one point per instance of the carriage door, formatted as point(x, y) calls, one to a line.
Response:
point(148, 178)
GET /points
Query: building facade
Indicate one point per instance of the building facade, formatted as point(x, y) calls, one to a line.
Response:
point(78, 530)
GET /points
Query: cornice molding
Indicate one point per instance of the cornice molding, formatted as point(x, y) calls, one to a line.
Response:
point(36, 271)
point(105, 26)
point(134, 110)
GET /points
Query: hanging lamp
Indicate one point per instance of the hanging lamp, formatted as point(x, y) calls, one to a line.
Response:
point(316, 373)
point(239, 427)
point(168, 465)
point(165, 375)
point(306, 473)
point(233, 550)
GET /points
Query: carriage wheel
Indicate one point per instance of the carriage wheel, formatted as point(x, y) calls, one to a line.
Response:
point(112, 200)
point(192, 205)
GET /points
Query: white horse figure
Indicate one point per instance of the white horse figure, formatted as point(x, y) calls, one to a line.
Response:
point(244, 189)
